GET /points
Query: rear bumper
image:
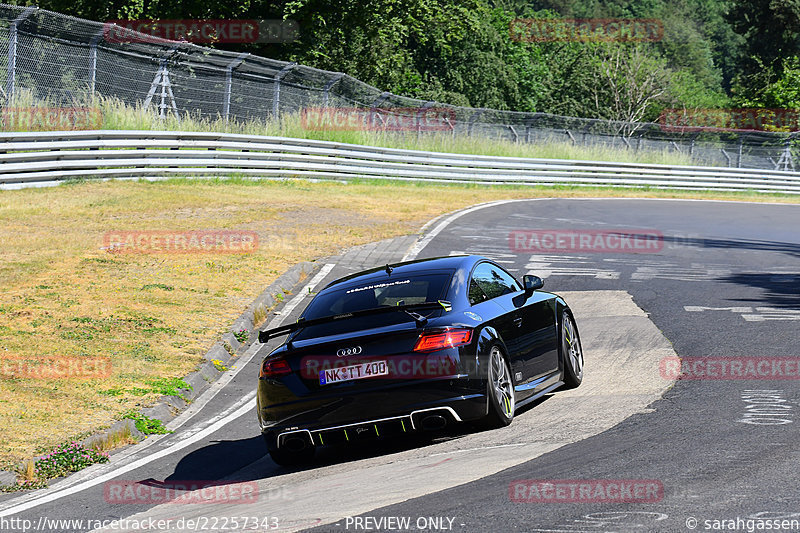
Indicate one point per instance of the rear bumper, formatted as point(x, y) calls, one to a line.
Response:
point(434, 418)
point(384, 412)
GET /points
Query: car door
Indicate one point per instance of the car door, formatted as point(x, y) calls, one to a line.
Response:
point(536, 341)
point(488, 286)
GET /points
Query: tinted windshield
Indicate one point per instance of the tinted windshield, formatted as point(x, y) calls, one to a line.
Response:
point(402, 290)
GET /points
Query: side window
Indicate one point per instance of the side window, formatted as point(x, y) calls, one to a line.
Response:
point(507, 278)
point(476, 295)
point(492, 281)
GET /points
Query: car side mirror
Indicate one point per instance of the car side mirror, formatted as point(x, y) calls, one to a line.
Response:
point(532, 283)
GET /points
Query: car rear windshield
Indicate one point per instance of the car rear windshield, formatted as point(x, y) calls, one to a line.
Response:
point(393, 291)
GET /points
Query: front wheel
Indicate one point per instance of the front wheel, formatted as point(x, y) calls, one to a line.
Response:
point(500, 391)
point(571, 352)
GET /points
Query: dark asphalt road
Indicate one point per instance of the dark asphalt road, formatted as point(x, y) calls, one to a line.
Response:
point(711, 464)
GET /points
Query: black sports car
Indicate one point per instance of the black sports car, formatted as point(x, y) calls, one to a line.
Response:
point(410, 346)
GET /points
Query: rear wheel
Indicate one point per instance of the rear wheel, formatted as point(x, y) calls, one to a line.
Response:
point(571, 352)
point(500, 390)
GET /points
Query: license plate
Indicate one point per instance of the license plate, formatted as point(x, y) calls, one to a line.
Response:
point(349, 373)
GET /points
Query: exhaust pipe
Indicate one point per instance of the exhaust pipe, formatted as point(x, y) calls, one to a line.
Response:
point(295, 443)
point(433, 422)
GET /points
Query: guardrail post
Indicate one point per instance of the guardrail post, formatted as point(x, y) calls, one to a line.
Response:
point(326, 91)
point(12, 51)
point(276, 101)
point(226, 104)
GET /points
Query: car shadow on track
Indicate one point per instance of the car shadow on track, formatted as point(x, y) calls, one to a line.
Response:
point(248, 460)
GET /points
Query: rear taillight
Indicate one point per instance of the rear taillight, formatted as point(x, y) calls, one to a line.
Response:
point(274, 368)
point(440, 340)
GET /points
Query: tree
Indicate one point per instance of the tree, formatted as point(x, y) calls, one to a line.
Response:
point(771, 29)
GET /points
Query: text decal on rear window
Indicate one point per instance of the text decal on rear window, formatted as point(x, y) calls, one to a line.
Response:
point(379, 286)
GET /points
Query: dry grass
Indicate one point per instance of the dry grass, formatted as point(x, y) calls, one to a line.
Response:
point(114, 440)
point(154, 316)
point(28, 470)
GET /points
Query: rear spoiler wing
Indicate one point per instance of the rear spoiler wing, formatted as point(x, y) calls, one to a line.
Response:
point(264, 336)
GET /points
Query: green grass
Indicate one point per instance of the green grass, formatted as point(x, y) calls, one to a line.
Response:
point(147, 425)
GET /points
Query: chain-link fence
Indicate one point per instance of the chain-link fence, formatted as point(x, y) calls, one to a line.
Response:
point(61, 59)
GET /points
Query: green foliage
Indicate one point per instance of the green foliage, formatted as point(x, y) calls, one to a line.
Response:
point(66, 458)
point(147, 425)
point(242, 335)
point(775, 92)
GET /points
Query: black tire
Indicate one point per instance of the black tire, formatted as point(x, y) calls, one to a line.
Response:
point(571, 352)
point(285, 457)
point(500, 390)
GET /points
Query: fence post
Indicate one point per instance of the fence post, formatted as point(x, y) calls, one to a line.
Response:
point(226, 104)
point(384, 95)
point(739, 153)
point(93, 59)
point(513, 132)
point(276, 102)
point(12, 51)
point(471, 120)
point(422, 108)
point(161, 79)
point(786, 161)
point(326, 91)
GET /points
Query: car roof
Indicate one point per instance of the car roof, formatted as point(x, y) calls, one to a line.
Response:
point(449, 263)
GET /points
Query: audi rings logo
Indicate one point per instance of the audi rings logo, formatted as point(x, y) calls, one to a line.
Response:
point(353, 350)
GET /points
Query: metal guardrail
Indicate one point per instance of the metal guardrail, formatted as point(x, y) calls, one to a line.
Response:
point(44, 158)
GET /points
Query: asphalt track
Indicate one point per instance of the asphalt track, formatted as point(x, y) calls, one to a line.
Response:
point(724, 282)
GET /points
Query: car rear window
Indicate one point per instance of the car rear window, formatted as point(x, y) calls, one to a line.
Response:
point(393, 291)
